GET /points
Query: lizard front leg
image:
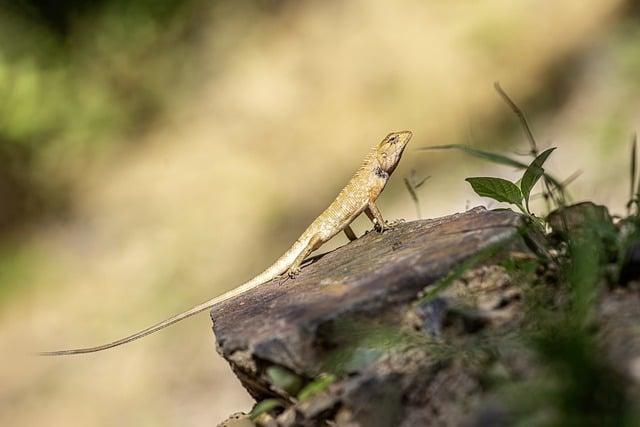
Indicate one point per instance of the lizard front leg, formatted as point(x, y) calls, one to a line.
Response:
point(375, 216)
point(313, 244)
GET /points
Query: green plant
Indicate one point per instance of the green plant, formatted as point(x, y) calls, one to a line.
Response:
point(265, 406)
point(516, 193)
point(503, 190)
point(316, 386)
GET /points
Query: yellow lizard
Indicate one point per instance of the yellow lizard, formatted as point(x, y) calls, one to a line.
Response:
point(358, 196)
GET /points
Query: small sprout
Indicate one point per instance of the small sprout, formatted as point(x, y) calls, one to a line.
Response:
point(316, 386)
point(265, 406)
point(284, 379)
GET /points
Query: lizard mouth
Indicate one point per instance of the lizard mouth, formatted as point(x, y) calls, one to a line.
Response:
point(401, 143)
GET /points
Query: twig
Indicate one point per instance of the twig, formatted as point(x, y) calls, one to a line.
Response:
point(412, 184)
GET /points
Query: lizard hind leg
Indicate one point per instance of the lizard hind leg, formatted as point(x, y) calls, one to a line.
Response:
point(351, 235)
point(313, 244)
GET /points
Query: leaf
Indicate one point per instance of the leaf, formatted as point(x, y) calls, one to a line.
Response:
point(482, 154)
point(497, 188)
point(284, 379)
point(263, 406)
point(533, 174)
point(316, 386)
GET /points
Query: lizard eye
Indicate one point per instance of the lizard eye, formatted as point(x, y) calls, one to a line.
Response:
point(384, 155)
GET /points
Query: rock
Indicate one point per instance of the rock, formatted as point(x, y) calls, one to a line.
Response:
point(352, 312)
point(576, 217)
point(466, 320)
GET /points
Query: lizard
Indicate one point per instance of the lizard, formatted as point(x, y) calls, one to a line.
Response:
point(359, 195)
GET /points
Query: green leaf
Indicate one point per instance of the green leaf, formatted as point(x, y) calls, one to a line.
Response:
point(497, 189)
point(284, 379)
point(533, 174)
point(316, 386)
point(263, 406)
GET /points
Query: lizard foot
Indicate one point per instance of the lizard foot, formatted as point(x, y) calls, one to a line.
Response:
point(380, 228)
point(394, 223)
point(388, 225)
point(293, 272)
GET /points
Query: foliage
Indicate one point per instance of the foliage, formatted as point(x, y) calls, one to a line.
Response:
point(265, 406)
point(516, 193)
point(498, 189)
point(316, 386)
point(586, 390)
point(284, 379)
point(575, 384)
point(67, 82)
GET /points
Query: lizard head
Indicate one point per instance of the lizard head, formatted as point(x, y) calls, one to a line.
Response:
point(389, 151)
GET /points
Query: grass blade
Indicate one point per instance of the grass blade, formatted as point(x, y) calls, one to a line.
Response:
point(492, 157)
point(523, 120)
point(481, 154)
point(565, 183)
point(634, 148)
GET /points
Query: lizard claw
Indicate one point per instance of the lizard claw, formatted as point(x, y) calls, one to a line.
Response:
point(293, 272)
point(388, 225)
point(395, 223)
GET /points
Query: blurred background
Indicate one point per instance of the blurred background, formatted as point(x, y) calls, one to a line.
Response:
point(156, 153)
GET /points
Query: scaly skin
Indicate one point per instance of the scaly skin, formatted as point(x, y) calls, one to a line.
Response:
point(358, 196)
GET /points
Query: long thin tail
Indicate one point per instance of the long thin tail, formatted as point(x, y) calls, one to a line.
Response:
point(161, 325)
point(277, 268)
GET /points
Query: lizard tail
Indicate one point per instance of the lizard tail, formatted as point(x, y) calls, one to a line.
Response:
point(195, 310)
point(276, 269)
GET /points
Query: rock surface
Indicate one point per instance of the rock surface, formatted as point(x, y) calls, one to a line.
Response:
point(474, 319)
point(367, 288)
